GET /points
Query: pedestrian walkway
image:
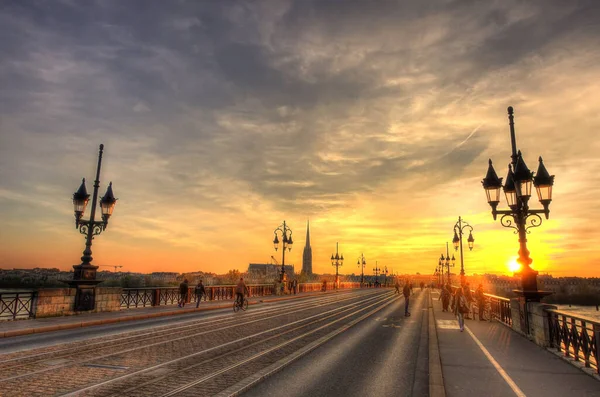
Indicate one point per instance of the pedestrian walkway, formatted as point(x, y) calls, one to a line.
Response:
point(490, 359)
point(49, 324)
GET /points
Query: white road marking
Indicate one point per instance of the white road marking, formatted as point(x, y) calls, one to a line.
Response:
point(501, 371)
point(447, 324)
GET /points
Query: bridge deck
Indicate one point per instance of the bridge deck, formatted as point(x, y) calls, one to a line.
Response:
point(49, 324)
point(532, 370)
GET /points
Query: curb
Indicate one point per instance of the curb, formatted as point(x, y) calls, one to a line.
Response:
point(436, 378)
point(91, 323)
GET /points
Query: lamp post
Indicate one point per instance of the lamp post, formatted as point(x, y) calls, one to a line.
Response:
point(446, 262)
point(385, 273)
point(286, 243)
point(337, 261)
point(517, 189)
point(84, 274)
point(459, 229)
point(439, 271)
point(376, 270)
point(361, 262)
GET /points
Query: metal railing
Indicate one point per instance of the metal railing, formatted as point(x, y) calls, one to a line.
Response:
point(161, 296)
point(576, 336)
point(16, 305)
point(500, 309)
point(497, 307)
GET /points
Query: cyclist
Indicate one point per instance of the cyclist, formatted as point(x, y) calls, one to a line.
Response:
point(240, 290)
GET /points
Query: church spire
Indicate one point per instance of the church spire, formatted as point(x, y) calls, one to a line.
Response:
point(308, 233)
point(307, 254)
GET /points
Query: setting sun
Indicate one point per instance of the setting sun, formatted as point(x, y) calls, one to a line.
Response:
point(513, 266)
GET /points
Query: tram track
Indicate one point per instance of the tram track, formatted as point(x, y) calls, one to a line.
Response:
point(25, 361)
point(24, 355)
point(184, 370)
point(168, 350)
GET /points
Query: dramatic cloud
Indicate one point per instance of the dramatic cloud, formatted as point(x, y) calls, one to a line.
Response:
point(221, 119)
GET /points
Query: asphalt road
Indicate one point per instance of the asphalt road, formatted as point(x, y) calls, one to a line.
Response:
point(384, 355)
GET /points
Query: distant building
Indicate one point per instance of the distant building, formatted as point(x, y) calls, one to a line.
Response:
point(268, 271)
point(307, 254)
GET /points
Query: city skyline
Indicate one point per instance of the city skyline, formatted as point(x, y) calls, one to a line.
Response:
point(222, 120)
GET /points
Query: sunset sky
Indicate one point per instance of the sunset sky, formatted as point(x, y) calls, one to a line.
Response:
point(221, 119)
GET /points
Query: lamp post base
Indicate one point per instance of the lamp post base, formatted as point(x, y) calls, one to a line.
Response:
point(84, 281)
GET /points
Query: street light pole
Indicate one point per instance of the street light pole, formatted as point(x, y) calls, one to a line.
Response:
point(84, 274)
point(517, 189)
point(361, 262)
point(286, 243)
point(337, 261)
point(459, 228)
point(385, 273)
point(376, 270)
point(446, 262)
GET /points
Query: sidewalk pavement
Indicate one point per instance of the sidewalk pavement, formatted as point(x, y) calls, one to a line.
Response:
point(49, 324)
point(511, 364)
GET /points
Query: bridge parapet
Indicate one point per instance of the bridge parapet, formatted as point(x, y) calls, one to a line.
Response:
point(52, 302)
point(575, 336)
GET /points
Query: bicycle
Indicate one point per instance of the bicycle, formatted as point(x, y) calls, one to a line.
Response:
point(237, 306)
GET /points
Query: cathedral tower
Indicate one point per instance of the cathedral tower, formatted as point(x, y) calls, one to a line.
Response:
point(307, 254)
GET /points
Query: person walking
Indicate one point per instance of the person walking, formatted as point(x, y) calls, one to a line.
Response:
point(397, 285)
point(460, 307)
point(240, 290)
point(445, 298)
point(199, 291)
point(469, 297)
point(183, 292)
point(480, 298)
point(406, 292)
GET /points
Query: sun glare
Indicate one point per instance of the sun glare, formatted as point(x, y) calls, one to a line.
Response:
point(513, 266)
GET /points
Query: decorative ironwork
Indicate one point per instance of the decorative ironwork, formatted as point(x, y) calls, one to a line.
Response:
point(98, 227)
point(534, 221)
point(576, 336)
point(17, 305)
point(137, 297)
point(507, 220)
point(168, 296)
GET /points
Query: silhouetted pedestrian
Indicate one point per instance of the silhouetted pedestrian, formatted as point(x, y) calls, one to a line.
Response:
point(406, 292)
point(397, 285)
point(480, 297)
point(445, 297)
point(199, 291)
point(469, 297)
point(460, 307)
point(183, 292)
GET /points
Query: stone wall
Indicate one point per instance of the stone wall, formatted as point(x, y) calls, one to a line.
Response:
point(537, 319)
point(53, 302)
point(108, 299)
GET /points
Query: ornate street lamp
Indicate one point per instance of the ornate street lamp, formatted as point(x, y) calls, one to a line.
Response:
point(337, 261)
point(361, 262)
point(84, 274)
point(286, 240)
point(520, 217)
point(448, 262)
point(376, 270)
point(439, 271)
point(459, 229)
point(385, 273)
